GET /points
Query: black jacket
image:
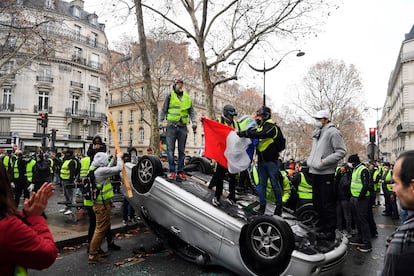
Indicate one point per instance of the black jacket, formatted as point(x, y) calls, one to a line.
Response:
point(268, 131)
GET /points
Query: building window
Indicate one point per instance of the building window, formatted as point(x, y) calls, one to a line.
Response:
point(131, 136)
point(141, 114)
point(43, 101)
point(131, 116)
point(50, 4)
point(78, 30)
point(77, 54)
point(7, 93)
point(94, 40)
point(141, 135)
point(121, 117)
point(142, 92)
point(75, 104)
point(76, 11)
point(4, 125)
point(120, 136)
point(92, 108)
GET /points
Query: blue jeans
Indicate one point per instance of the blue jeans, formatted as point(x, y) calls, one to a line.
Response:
point(176, 133)
point(268, 170)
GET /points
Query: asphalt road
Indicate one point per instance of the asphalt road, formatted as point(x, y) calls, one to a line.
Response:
point(73, 260)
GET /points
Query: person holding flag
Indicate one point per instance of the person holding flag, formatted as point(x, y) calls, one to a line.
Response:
point(226, 118)
point(268, 156)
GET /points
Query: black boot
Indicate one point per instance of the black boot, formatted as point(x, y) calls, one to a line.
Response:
point(113, 246)
point(278, 210)
point(262, 209)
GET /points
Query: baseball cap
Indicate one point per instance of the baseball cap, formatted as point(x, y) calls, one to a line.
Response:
point(321, 114)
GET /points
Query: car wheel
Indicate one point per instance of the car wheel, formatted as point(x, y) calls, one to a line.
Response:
point(203, 165)
point(307, 214)
point(145, 172)
point(270, 241)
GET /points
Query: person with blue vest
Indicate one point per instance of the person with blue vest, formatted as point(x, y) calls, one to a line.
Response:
point(360, 196)
point(268, 157)
point(178, 110)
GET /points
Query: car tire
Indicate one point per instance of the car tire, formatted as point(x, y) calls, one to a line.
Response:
point(270, 241)
point(145, 172)
point(202, 164)
point(307, 214)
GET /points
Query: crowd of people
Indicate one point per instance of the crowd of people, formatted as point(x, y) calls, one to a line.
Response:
point(343, 193)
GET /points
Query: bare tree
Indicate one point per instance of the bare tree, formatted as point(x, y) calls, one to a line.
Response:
point(337, 87)
point(23, 38)
point(233, 29)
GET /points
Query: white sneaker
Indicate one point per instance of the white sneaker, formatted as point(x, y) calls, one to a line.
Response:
point(215, 201)
point(68, 212)
point(62, 210)
point(230, 201)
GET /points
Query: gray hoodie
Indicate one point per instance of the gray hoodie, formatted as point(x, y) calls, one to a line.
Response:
point(104, 170)
point(328, 148)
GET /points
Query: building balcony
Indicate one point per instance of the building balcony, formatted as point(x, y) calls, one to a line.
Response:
point(79, 59)
point(405, 127)
point(95, 65)
point(74, 137)
point(44, 79)
point(76, 84)
point(85, 114)
point(6, 134)
point(36, 109)
point(9, 76)
point(6, 107)
point(94, 89)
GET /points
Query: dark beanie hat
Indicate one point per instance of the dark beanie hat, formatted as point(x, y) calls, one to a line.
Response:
point(354, 159)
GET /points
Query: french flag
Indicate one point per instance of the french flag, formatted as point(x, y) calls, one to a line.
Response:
point(224, 145)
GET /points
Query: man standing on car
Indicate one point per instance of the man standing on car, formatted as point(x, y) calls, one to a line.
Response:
point(227, 118)
point(177, 109)
point(328, 148)
point(268, 157)
point(400, 245)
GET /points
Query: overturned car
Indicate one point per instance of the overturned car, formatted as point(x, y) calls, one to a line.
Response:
point(235, 237)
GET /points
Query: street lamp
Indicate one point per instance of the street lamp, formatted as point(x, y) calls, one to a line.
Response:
point(264, 70)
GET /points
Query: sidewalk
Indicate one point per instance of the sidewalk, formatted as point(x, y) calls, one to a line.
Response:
point(66, 232)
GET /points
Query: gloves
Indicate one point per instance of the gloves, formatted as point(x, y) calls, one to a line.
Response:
point(242, 133)
point(30, 188)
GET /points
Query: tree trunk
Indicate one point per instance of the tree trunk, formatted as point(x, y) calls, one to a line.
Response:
point(149, 95)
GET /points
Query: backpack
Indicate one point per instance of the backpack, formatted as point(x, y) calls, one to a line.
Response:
point(42, 169)
point(280, 141)
point(90, 191)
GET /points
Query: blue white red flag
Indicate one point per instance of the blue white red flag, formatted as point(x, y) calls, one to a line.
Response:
point(224, 145)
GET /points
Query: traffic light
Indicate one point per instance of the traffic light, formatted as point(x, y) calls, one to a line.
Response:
point(372, 134)
point(44, 119)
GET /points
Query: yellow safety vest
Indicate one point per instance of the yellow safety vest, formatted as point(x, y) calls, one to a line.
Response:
point(389, 178)
point(64, 170)
point(16, 173)
point(304, 188)
point(51, 165)
point(6, 162)
point(20, 271)
point(107, 192)
point(178, 110)
point(356, 182)
point(264, 143)
point(29, 170)
point(85, 163)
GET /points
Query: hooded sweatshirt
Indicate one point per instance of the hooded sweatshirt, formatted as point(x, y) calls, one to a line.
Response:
point(328, 148)
point(104, 169)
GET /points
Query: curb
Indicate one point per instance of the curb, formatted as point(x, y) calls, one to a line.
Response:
point(82, 238)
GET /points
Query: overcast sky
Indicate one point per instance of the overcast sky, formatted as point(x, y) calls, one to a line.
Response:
point(366, 33)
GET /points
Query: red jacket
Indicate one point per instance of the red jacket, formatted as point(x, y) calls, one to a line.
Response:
point(28, 246)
